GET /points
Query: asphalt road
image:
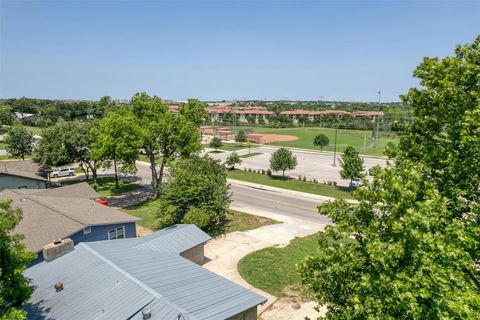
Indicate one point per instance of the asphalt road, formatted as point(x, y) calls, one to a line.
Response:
point(294, 206)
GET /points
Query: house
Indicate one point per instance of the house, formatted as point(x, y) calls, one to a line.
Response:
point(66, 212)
point(25, 117)
point(155, 277)
point(21, 175)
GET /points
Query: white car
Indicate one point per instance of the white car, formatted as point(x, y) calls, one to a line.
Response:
point(355, 183)
point(62, 172)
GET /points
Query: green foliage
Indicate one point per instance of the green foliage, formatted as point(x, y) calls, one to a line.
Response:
point(117, 140)
point(19, 142)
point(390, 150)
point(14, 287)
point(216, 143)
point(408, 260)
point(321, 140)
point(283, 159)
point(241, 137)
point(200, 183)
point(6, 116)
point(194, 111)
point(445, 132)
point(233, 159)
point(352, 164)
point(373, 171)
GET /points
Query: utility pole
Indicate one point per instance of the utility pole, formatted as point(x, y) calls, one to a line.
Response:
point(378, 115)
point(335, 149)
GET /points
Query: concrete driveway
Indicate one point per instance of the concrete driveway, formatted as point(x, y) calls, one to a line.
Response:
point(313, 165)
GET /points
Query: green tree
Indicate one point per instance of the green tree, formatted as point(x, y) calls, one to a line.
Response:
point(233, 159)
point(241, 137)
point(14, 287)
point(194, 111)
point(321, 140)
point(6, 118)
point(352, 164)
point(249, 146)
point(165, 135)
point(215, 143)
point(282, 160)
point(117, 140)
point(197, 193)
point(390, 150)
point(19, 142)
point(398, 254)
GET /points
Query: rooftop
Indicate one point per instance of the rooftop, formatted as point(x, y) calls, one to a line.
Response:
point(120, 278)
point(58, 213)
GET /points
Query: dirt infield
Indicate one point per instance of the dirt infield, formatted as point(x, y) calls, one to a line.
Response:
point(268, 138)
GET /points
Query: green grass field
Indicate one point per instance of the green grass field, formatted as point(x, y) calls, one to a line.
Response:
point(273, 269)
point(290, 184)
point(106, 186)
point(234, 220)
point(356, 138)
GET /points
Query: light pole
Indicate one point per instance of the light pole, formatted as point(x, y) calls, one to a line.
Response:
point(335, 149)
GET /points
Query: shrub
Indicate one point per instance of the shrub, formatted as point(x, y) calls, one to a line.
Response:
point(269, 172)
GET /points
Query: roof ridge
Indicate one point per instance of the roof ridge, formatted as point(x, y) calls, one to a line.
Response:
point(150, 290)
point(52, 208)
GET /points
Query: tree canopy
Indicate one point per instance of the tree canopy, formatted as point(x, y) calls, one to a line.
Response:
point(14, 258)
point(282, 160)
point(241, 137)
point(197, 193)
point(352, 164)
point(233, 159)
point(215, 143)
point(194, 111)
point(321, 140)
point(19, 142)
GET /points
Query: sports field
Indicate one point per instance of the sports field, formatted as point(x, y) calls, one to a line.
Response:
point(360, 139)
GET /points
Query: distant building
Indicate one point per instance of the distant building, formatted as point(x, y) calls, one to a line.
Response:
point(154, 277)
point(25, 117)
point(21, 175)
point(67, 212)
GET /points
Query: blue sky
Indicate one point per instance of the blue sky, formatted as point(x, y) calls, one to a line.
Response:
point(225, 49)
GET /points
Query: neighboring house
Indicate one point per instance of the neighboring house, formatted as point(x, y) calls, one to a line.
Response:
point(25, 117)
point(144, 278)
point(67, 212)
point(21, 175)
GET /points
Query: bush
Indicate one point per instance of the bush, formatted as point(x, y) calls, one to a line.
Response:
point(269, 172)
point(198, 217)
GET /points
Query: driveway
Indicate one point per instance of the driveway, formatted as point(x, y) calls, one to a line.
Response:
point(313, 165)
point(224, 253)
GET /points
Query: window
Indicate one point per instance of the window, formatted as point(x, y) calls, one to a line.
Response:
point(118, 233)
point(87, 230)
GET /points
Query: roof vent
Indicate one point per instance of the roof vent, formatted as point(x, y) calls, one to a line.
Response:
point(146, 313)
point(58, 286)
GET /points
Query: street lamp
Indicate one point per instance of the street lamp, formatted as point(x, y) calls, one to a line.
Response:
point(335, 149)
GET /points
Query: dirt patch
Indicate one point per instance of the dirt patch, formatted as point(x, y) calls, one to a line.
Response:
point(268, 138)
point(142, 231)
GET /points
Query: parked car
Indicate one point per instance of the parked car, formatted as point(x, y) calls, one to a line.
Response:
point(62, 172)
point(355, 183)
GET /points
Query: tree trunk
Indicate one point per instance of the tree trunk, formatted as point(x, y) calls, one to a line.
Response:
point(153, 168)
point(283, 173)
point(116, 174)
point(160, 173)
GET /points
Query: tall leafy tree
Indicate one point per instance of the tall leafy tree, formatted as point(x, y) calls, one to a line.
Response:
point(14, 287)
point(197, 193)
point(194, 111)
point(241, 137)
point(6, 118)
point(398, 254)
point(117, 141)
point(352, 164)
point(215, 143)
point(165, 136)
point(321, 140)
point(282, 160)
point(19, 142)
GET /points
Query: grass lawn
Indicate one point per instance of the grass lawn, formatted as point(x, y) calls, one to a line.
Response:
point(3, 145)
point(248, 155)
point(232, 146)
point(34, 130)
point(235, 220)
point(144, 158)
point(106, 186)
point(273, 269)
point(8, 157)
point(355, 138)
point(291, 184)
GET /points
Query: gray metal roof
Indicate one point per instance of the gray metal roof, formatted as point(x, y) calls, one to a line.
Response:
point(117, 279)
point(174, 239)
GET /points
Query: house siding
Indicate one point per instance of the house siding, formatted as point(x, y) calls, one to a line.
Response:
point(13, 182)
point(195, 254)
point(249, 314)
point(97, 233)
